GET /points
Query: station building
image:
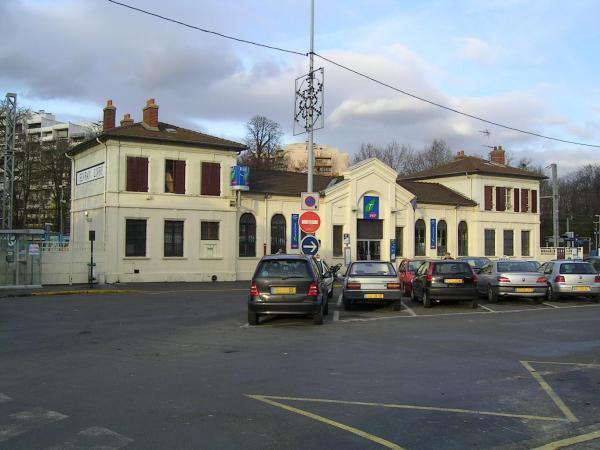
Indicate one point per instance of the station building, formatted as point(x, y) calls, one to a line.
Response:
point(161, 204)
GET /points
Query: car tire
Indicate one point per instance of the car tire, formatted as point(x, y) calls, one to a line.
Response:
point(492, 295)
point(397, 305)
point(551, 295)
point(252, 318)
point(474, 304)
point(426, 299)
point(318, 316)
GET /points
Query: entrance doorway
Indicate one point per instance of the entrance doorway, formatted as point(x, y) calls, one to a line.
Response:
point(368, 250)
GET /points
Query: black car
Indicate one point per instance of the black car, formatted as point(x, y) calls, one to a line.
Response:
point(445, 280)
point(287, 284)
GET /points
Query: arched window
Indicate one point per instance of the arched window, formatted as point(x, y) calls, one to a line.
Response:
point(442, 237)
point(247, 235)
point(463, 239)
point(278, 234)
point(420, 238)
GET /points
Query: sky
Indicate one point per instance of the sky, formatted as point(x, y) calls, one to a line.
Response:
point(528, 65)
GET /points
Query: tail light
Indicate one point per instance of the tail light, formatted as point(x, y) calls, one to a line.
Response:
point(254, 290)
point(393, 285)
point(542, 280)
point(559, 279)
point(503, 279)
point(313, 290)
point(597, 279)
point(353, 285)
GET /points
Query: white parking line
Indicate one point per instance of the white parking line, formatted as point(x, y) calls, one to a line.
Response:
point(488, 309)
point(410, 311)
point(4, 398)
point(548, 304)
point(25, 421)
point(94, 437)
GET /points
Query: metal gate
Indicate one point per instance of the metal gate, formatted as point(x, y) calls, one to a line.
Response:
point(20, 258)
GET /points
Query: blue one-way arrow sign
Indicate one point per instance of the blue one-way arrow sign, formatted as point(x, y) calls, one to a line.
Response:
point(309, 245)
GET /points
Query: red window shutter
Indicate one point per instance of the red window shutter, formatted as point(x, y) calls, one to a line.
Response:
point(524, 200)
point(131, 173)
point(516, 202)
point(500, 199)
point(533, 201)
point(488, 198)
point(180, 177)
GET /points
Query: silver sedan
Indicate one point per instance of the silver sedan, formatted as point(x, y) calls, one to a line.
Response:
point(512, 278)
point(369, 282)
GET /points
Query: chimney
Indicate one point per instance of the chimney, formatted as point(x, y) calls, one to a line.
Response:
point(460, 155)
point(497, 155)
point(110, 114)
point(150, 121)
point(126, 120)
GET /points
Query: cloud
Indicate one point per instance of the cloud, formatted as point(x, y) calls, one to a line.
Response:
point(479, 51)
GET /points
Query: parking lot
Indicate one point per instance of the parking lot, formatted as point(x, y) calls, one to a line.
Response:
point(179, 367)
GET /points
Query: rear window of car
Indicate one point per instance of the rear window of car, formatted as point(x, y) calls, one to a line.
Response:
point(445, 268)
point(372, 269)
point(576, 268)
point(281, 268)
point(414, 265)
point(517, 266)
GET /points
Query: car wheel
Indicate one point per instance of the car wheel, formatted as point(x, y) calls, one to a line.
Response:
point(426, 299)
point(492, 295)
point(551, 295)
point(474, 304)
point(326, 309)
point(252, 318)
point(318, 316)
point(397, 305)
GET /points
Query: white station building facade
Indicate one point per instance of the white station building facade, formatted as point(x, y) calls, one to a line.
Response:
point(164, 206)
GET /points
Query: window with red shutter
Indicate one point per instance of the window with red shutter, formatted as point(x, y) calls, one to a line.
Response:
point(488, 198)
point(524, 200)
point(137, 174)
point(516, 202)
point(533, 201)
point(210, 183)
point(500, 199)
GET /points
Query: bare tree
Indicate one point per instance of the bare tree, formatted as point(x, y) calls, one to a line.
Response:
point(263, 139)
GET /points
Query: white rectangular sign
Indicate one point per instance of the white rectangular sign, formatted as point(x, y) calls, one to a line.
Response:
point(90, 174)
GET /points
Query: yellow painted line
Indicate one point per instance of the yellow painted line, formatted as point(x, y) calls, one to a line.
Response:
point(546, 387)
point(570, 441)
point(415, 407)
point(333, 423)
point(588, 365)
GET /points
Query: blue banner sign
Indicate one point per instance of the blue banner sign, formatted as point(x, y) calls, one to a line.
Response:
point(370, 207)
point(240, 178)
point(432, 235)
point(295, 231)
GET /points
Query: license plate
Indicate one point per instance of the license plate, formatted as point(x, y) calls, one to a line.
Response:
point(528, 290)
point(581, 288)
point(373, 295)
point(283, 290)
point(454, 281)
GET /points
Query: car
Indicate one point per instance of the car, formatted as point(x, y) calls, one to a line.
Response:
point(287, 284)
point(369, 282)
point(406, 272)
point(329, 274)
point(594, 261)
point(476, 262)
point(445, 280)
point(568, 278)
point(512, 278)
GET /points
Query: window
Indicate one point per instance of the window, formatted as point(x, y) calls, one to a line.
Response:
point(399, 241)
point(463, 239)
point(524, 200)
point(488, 197)
point(338, 240)
point(210, 179)
point(247, 235)
point(525, 243)
point(490, 242)
point(209, 231)
point(173, 238)
point(509, 243)
point(175, 176)
point(278, 234)
point(137, 174)
point(420, 238)
point(442, 237)
point(135, 237)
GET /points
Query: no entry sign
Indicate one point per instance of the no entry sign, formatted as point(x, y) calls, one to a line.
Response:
point(309, 222)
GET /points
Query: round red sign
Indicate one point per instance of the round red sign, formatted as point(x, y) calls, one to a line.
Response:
point(309, 221)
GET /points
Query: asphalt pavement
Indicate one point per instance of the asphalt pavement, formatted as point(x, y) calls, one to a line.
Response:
point(177, 366)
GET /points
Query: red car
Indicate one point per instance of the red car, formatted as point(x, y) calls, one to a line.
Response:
point(406, 272)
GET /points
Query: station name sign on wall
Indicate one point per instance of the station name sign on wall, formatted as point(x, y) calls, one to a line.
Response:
point(90, 174)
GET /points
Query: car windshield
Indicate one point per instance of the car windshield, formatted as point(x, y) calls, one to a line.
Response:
point(414, 265)
point(517, 266)
point(576, 268)
point(282, 268)
point(372, 269)
point(476, 262)
point(445, 268)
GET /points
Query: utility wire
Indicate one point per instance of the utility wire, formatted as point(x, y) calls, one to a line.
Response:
point(178, 22)
point(356, 72)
